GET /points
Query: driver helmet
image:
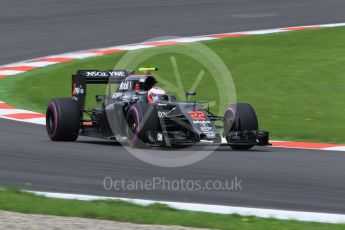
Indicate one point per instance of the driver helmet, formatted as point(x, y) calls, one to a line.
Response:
point(155, 94)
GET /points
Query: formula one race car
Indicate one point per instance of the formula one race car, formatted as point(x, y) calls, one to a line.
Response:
point(144, 115)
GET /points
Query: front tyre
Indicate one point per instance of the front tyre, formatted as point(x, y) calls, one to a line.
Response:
point(140, 119)
point(240, 117)
point(63, 119)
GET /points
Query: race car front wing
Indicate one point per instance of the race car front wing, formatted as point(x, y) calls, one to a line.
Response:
point(255, 137)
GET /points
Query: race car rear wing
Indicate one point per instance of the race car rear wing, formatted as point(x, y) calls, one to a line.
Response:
point(102, 76)
point(84, 77)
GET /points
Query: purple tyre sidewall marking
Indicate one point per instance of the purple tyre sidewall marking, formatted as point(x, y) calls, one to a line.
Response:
point(137, 130)
point(232, 110)
point(55, 114)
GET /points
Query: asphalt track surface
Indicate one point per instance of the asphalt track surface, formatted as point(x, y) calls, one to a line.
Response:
point(276, 178)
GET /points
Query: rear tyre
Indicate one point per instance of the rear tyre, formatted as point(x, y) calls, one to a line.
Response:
point(140, 119)
point(240, 117)
point(63, 119)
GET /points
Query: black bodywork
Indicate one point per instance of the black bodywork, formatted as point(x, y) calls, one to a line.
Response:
point(178, 123)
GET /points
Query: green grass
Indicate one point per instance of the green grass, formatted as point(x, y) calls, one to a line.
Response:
point(295, 80)
point(18, 201)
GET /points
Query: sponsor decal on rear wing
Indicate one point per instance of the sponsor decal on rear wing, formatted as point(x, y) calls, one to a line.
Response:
point(102, 76)
point(85, 77)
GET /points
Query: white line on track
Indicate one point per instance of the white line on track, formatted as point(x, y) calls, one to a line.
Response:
point(219, 209)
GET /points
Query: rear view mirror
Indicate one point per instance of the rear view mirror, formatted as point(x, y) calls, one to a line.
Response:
point(100, 98)
point(189, 93)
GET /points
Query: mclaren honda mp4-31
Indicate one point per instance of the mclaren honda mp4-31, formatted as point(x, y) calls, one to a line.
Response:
point(135, 111)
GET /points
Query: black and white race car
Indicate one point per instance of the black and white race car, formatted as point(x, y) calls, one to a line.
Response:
point(144, 115)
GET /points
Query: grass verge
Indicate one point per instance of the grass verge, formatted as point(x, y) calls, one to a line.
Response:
point(294, 80)
point(23, 202)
